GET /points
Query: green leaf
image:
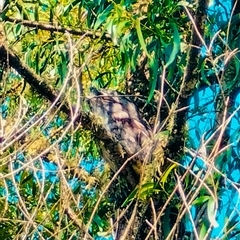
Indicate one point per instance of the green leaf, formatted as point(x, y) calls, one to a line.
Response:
point(45, 56)
point(176, 45)
point(211, 207)
point(70, 6)
point(103, 17)
point(203, 231)
point(203, 75)
point(200, 200)
point(98, 221)
point(62, 67)
point(166, 173)
point(140, 37)
point(146, 190)
point(24, 175)
point(130, 198)
point(121, 26)
point(37, 61)
point(153, 68)
point(134, 57)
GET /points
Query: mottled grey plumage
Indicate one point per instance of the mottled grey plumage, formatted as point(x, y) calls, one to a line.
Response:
point(120, 119)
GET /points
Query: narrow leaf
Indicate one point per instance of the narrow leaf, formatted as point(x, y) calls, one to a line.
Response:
point(103, 17)
point(153, 69)
point(211, 212)
point(140, 37)
point(200, 200)
point(176, 45)
point(167, 172)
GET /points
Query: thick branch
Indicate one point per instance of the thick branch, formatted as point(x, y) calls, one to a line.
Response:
point(9, 57)
point(56, 28)
point(191, 77)
point(192, 70)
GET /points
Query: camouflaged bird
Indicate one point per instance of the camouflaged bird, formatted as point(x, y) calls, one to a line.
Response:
point(120, 121)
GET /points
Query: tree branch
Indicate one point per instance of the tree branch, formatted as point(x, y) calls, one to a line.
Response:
point(56, 28)
point(9, 57)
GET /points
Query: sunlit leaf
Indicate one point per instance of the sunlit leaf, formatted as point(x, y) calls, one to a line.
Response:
point(166, 173)
point(203, 231)
point(147, 190)
point(200, 200)
point(70, 6)
point(140, 37)
point(103, 17)
point(211, 211)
